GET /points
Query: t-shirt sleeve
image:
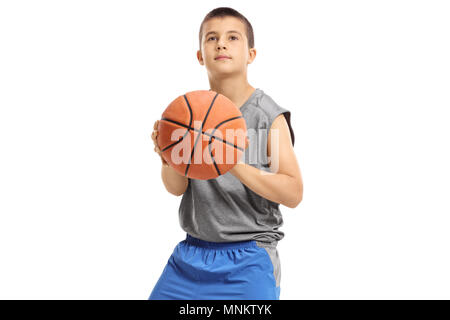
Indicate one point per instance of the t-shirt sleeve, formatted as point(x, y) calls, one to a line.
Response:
point(274, 110)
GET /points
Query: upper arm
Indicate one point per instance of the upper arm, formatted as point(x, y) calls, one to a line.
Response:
point(279, 144)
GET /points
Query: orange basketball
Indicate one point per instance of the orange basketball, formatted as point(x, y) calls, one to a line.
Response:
point(202, 134)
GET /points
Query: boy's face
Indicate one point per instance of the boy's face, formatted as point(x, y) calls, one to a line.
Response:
point(224, 42)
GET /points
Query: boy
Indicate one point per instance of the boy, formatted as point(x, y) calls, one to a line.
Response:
point(232, 221)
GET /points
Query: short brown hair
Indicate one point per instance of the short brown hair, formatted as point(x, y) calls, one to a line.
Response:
point(228, 12)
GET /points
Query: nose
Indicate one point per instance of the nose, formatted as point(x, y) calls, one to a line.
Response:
point(220, 44)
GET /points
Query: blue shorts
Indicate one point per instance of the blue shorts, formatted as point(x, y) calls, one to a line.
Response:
point(203, 270)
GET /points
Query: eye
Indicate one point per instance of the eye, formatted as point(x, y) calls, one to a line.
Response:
point(230, 37)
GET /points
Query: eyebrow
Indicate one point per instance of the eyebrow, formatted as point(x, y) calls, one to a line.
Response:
point(227, 32)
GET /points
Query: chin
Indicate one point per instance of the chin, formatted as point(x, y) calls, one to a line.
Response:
point(220, 72)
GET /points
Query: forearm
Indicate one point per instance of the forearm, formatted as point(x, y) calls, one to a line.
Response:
point(174, 182)
point(279, 188)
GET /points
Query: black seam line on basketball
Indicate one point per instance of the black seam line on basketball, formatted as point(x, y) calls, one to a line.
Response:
point(191, 128)
point(196, 140)
point(203, 132)
point(212, 156)
point(212, 136)
point(190, 110)
point(184, 135)
point(176, 142)
point(224, 121)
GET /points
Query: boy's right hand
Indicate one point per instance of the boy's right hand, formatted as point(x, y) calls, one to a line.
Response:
point(157, 150)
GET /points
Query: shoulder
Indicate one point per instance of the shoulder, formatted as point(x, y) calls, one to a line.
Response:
point(267, 105)
point(272, 110)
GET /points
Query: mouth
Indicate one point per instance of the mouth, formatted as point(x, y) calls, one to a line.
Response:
point(222, 58)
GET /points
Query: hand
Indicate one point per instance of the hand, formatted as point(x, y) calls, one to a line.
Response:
point(246, 143)
point(155, 142)
point(236, 167)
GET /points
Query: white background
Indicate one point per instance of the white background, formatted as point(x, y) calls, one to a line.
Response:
point(84, 213)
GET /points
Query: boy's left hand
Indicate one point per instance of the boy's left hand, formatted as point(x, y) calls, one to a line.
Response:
point(234, 168)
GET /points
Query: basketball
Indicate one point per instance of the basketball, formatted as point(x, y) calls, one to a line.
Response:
point(202, 134)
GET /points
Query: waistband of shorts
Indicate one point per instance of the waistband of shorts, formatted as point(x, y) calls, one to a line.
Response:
point(220, 245)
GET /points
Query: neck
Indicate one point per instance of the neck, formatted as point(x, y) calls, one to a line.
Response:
point(237, 90)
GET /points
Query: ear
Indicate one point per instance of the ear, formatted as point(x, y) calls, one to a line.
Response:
point(200, 57)
point(251, 55)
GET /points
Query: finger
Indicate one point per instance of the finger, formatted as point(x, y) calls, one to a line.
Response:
point(155, 126)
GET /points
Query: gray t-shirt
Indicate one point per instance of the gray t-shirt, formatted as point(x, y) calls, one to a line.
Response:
point(223, 209)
